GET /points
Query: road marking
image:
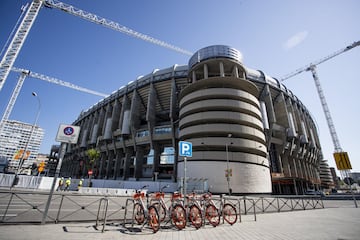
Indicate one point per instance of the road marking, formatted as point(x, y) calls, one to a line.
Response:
point(8, 215)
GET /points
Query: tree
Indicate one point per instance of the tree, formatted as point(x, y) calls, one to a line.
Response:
point(93, 155)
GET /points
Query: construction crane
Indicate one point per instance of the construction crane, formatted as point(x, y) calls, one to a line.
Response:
point(27, 73)
point(56, 81)
point(312, 67)
point(18, 40)
point(341, 158)
point(307, 68)
point(29, 18)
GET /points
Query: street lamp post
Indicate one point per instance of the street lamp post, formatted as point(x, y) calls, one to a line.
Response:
point(227, 164)
point(16, 178)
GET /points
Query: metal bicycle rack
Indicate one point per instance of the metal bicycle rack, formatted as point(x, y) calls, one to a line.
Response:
point(133, 216)
point(167, 213)
point(126, 210)
point(239, 200)
point(104, 213)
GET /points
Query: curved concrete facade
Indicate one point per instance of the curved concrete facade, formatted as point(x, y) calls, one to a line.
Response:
point(237, 118)
point(221, 116)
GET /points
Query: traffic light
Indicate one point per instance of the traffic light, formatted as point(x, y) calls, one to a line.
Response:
point(41, 167)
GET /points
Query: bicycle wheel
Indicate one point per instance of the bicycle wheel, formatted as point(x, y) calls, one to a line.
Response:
point(161, 211)
point(178, 216)
point(153, 219)
point(229, 213)
point(212, 215)
point(139, 213)
point(195, 216)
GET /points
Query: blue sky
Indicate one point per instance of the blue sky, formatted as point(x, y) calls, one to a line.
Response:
point(274, 36)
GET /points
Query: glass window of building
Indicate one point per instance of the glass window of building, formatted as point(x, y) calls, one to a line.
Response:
point(150, 157)
point(167, 156)
point(142, 133)
point(162, 130)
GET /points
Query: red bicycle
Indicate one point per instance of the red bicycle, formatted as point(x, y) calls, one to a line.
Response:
point(141, 212)
point(212, 213)
point(176, 211)
point(228, 212)
point(194, 210)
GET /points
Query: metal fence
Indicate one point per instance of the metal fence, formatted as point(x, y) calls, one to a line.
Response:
point(28, 207)
point(246, 205)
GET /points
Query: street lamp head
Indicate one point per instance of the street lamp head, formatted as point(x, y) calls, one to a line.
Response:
point(37, 97)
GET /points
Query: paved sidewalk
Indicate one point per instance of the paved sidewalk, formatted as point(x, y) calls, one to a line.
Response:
point(328, 223)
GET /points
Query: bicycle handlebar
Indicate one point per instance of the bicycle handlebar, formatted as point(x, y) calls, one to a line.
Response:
point(166, 186)
point(139, 190)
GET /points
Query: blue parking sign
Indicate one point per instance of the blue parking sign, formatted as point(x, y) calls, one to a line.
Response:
point(185, 149)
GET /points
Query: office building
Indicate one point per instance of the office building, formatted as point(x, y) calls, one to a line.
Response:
point(20, 140)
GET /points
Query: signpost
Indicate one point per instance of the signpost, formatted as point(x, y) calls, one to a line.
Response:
point(228, 172)
point(185, 150)
point(41, 167)
point(343, 164)
point(342, 161)
point(66, 134)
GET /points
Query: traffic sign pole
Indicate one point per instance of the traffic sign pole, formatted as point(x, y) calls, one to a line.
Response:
point(185, 182)
point(66, 134)
point(347, 175)
point(185, 150)
point(57, 172)
point(344, 166)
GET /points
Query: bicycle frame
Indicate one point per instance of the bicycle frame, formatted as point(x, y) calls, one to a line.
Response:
point(212, 213)
point(141, 212)
point(176, 212)
point(228, 211)
point(193, 210)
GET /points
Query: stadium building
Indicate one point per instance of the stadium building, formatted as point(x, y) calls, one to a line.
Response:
point(249, 133)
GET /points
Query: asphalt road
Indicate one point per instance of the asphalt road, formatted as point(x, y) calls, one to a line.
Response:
point(65, 206)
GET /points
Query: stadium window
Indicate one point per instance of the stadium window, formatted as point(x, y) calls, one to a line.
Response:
point(162, 130)
point(167, 156)
point(150, 157)
point(142, 133)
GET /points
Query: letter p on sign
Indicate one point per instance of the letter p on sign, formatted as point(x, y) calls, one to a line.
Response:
point(185, 149)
